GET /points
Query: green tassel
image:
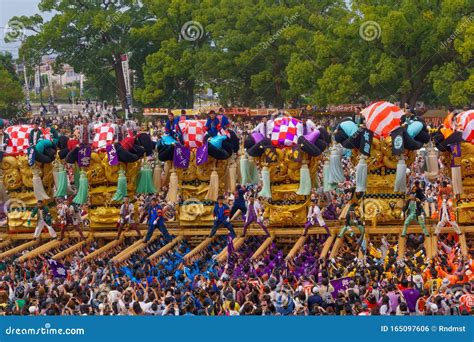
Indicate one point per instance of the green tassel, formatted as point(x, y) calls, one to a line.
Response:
point(401, 176)
point(121, 191)
point(361, 174)
point(266, 188)
point(254, 176)
point(83, 190)
point(326, 183)
point(145, 181)
point(244, 170)
point(305, 181)
point(61, 186)
point(77, 175)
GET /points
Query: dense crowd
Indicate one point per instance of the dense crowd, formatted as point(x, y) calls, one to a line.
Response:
point(362, 279)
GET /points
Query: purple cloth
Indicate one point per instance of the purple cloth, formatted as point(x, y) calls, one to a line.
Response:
point(84, 155)
point(112, 155)
point(257, 137)
point(313, 136)
point(181, 157)
point(340, 284)
point(58, 269)
point(330, 212)
point(411, 296)
point(201, 154)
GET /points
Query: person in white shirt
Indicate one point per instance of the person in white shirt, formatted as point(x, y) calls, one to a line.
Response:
point(306, 126)
point(315, 215)
point(446, 216)
point(265, 127)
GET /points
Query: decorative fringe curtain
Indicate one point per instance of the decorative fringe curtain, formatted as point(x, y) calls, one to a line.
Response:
point(121, 191)
point(336, 173)
point(305, 181)
point(157, 171)
point(145, 180)
point(83, 189)
point(172, 195)
point(38, 187)
point(244, 170)
point(456, 180)
point(361, 174)
point(401, 176)
point(61, 182)
point(266, 187)
point(213, 191)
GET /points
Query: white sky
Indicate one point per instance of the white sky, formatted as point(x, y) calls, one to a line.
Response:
point(11, 8)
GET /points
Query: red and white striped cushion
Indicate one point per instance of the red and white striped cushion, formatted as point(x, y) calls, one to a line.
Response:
point(382, 118)
point(19, 138)
point(193, 132)
point(104, 135)
point(465, 121)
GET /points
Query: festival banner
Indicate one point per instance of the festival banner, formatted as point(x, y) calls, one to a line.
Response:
point(126, 77)
point(84, 155)
point(340, 284)
point(57, 269)
point(31, 156)
point(37, 82)
point(456, 155)
point(112, 155)
point(181, 157)
point(398, 146)
point(366, 141)
point(201, 154)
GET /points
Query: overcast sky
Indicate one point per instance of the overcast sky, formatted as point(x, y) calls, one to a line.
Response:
point(11, 8)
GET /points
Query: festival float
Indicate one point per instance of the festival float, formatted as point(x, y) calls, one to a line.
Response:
point(383, 148)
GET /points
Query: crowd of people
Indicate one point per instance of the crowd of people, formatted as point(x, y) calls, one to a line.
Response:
point(379, 283)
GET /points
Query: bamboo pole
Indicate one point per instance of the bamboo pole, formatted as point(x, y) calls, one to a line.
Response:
point(296, 247)
point(42, 249)
point(199, 248)
point(238, 242)
point(18, 249)
point(103, 249)
point(262, 247)
point(327, 246)
point(71, 249)
point(166, 247)
point(402, 241)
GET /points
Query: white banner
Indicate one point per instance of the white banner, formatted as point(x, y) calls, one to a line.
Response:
point(81, 85)
point(37, 82)
point(126, 75)
point(50, 82)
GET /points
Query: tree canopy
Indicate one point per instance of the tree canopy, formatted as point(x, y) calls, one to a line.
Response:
point(11, 94)
point(259, 52)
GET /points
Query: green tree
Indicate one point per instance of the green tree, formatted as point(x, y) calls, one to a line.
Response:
point(394, 50)
point(90, 36)
point(11, 93)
